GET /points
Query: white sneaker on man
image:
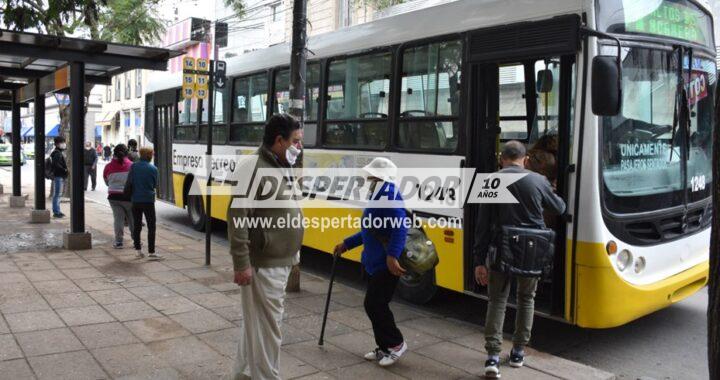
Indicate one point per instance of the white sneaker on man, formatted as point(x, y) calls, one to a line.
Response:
point(375, 354)
point(393, 355)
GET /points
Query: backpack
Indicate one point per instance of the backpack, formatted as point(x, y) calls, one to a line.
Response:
point(49, 172)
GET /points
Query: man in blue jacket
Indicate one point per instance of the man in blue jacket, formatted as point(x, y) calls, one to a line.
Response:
point(382, 248)
point(142, 182)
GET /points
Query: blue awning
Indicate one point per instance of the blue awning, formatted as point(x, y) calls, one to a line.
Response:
point(53, 132)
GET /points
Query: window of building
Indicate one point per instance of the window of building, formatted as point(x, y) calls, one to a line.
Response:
point(127, 86)
point(117, 87)
point(126, 119)
point(108, 94)
point(138, 83)
point(138, 118)
point(250, 96)
point(358, 101)
point(430, 96)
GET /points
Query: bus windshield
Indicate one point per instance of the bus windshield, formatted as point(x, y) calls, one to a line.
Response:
point(643, 146)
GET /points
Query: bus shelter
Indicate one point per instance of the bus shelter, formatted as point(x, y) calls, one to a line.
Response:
point(34, 65)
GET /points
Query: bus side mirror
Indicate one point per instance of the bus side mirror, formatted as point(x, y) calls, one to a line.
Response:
point(544, 82)
point(606, 86)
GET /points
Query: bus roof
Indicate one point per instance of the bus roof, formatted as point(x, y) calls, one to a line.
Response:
point(447, 18)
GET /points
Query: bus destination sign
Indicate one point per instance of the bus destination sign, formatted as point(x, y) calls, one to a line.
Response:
point(669, 19)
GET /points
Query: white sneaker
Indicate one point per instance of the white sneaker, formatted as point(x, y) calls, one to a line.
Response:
point(139, 254)
point(393, 356)
point(154, 256)
point(375, 354)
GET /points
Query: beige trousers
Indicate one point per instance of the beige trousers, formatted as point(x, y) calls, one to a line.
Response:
point(262, 306)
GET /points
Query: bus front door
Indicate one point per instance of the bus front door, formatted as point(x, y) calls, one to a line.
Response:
point(526, 100)
point(164, 124)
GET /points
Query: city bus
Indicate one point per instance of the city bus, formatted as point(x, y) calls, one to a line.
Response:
point(624, 90)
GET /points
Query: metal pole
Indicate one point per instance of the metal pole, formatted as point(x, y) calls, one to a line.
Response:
point(39, 148)
point(16, 185)
point(298, 64)
point(208, 198)
point(77, 137)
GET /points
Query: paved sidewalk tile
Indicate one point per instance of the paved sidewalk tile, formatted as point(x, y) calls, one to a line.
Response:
point(77, 316)
point(79, 365)
point(128, 359)
point(200, 321)
point(45, 342)
point(132, 311)
point(111, 296)
point(16, 369)
point(10, 349)
point(152, 329)
point(104, 335)
point(33, 321)
point(65, 300)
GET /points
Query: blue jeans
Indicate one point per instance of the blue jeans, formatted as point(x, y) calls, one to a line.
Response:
point(57, 190)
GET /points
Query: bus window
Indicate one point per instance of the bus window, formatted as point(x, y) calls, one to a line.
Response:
point(249, 101)
point(358, 101)
point(219, 127)
point(513, 109)
point(547, 74)
point(186, 127)
point(312, 91)
point(430, 88)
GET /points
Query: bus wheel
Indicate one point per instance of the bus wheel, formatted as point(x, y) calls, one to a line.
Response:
point(417, 288)
point(196, 212)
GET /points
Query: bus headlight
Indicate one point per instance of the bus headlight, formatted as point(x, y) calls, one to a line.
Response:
point(639, 264)
point(624, 258)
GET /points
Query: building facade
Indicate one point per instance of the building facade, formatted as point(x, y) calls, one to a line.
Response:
point(122, 114)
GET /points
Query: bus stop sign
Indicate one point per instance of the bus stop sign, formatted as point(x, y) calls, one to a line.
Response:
point(220, 79)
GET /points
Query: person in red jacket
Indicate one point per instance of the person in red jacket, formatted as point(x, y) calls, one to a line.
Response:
point(115, 175)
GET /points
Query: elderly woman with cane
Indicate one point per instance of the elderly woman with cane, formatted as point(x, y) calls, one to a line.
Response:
point(382, 248)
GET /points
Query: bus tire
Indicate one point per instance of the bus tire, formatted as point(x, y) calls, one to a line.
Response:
point(196, 212)
point(418, 289)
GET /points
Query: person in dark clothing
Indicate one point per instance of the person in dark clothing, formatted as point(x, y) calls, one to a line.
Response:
point(90, 159)
point(534, 193)
point(133, 154)
point(107, 151)
point(143, 181)
point(381, 251)
point(60, 173)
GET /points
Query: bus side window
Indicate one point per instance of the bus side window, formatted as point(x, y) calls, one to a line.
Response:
point(513, 108)
point(430, 96)
point(358, 102)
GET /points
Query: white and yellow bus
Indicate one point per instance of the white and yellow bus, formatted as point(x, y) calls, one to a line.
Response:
point(444, 86)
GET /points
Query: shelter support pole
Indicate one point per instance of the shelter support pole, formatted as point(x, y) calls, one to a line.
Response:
point(39, 214)
point(16, 200)
point(77, 238)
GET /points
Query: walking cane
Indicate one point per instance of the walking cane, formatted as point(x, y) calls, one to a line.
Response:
point(327, 300)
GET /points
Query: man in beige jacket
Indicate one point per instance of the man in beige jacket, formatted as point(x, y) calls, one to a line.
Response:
point(262, 257)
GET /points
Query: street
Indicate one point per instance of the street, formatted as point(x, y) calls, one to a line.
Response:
point(669, 344)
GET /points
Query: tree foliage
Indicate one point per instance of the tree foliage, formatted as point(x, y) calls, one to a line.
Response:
point(237, 6)
point(381, 4)
point(133, 22)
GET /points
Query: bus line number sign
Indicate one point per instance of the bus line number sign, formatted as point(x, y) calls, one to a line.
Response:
point(195, 78)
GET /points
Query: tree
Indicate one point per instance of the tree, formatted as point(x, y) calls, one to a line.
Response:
point(133, 22)
point(713, 313)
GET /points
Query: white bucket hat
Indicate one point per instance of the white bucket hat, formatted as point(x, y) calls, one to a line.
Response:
point(382, 168)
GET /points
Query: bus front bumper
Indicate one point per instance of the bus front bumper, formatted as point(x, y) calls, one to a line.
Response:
point(604, 300)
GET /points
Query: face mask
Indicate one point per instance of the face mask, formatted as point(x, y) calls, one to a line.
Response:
point(62, 146)
point(291, 154)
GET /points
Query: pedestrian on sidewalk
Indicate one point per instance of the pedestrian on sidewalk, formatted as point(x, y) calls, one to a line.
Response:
point(90, 158)
point(534, 193)
point(133, 154)
point(382, 248)
point(60, 173)
point(107, 151)
point(141, 184)
point(262, 257)
point(115, 175)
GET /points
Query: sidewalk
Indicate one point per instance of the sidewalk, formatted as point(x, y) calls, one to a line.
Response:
point(101, 314)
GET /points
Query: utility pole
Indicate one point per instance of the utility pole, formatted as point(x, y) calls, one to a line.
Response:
point(298, 64)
